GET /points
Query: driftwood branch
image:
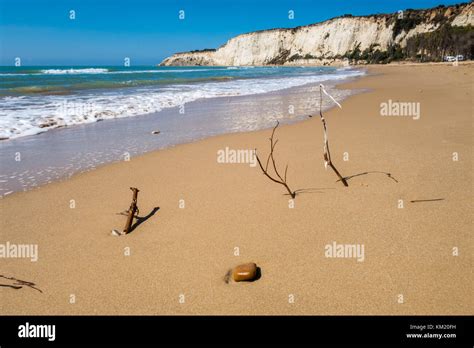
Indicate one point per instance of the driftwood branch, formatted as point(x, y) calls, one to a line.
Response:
point(18, 283)
point(327, 154)
point(132, 211)
point(278, 179)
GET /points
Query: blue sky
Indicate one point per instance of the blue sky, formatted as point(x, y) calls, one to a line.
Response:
point(40, 32)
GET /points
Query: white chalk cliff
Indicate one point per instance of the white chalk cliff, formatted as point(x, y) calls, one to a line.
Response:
point(324, 42)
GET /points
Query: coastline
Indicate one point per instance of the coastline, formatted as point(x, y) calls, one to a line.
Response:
point(187, 251)
point(85, 147)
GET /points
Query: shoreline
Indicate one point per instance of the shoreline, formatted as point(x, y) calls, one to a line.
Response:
point(115, 94)
point(188, 250)
point(136, 138)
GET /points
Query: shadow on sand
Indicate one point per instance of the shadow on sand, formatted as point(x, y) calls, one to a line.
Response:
point(142, 219)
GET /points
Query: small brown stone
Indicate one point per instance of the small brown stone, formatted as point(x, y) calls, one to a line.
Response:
point(245, 272)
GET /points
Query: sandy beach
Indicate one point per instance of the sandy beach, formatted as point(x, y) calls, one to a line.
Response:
point(208, 209)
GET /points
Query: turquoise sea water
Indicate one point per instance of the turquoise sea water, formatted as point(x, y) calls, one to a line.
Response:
point(70, 80)
point(36, 99)
point(183, 103)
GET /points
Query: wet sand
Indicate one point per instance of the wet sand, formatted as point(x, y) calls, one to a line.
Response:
point(27, 163)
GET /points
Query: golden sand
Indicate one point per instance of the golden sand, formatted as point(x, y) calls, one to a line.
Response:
point(215, 216)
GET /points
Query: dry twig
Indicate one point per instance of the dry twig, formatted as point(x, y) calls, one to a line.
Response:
point(278, 179)
point(327, 154)
point(18, 283)
point(132, 211)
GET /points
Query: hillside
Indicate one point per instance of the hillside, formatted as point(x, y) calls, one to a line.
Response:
point(417, 35)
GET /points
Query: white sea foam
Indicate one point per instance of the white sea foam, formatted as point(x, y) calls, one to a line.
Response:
point(13, 74)
point(75, 71)
point(28, 115)
point(158, 71)
point(100, 71)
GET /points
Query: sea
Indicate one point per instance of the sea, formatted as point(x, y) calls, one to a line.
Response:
point(50, 116)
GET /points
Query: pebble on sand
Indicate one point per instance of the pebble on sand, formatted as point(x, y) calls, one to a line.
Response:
point(116, 233)
point(245, 272)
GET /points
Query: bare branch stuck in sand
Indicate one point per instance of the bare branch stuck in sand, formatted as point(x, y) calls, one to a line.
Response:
point(327, 154)
point(131, 213)
point(279, 179)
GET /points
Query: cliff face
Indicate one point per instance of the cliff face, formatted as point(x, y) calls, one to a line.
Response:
point(327, 41)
